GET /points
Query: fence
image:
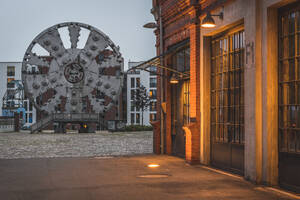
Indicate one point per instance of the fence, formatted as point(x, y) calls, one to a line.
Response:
point(7, 124)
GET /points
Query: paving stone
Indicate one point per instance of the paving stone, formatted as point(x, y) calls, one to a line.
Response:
point(46, 145)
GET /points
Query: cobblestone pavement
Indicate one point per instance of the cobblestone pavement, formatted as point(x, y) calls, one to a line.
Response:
point(45, 145)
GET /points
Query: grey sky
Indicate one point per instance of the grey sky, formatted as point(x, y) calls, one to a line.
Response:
point(122, 20)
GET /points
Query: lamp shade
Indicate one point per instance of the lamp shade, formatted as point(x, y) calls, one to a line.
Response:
point(150, 25)
point(208, 21)
point(174, 79)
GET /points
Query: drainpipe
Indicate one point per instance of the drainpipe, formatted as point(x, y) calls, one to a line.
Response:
point(161, 50)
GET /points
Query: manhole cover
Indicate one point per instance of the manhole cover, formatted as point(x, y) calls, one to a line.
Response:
point(154, 176)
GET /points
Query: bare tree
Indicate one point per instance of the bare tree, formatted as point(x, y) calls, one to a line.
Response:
point(141, 99)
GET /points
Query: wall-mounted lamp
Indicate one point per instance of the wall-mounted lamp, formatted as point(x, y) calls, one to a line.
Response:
point(151, 25)
point(174, 79)
point(209, 22)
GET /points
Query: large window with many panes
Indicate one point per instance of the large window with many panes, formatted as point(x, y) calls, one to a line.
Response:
point(289, 80)
point(227, 87)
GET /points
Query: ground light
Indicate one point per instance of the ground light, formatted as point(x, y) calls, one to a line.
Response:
point(153, 165)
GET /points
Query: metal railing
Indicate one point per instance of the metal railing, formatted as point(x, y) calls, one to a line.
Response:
point(75, 117)
point(41, 123)
point(65, 117)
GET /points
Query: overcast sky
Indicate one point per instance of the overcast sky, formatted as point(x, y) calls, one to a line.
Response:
point(122, 20)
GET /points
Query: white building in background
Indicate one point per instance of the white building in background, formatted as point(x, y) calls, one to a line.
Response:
point(149, 81)
point(10, 71)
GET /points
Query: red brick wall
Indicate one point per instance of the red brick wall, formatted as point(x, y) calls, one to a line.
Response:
point(180, 21)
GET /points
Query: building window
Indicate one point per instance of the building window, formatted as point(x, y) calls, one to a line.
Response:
point(289, 81)
point(30, 117)
point(153, 106)
point(137, 118)
point(132, 94)
point(132, 106)
point(10, 83)
point(153, 71)
point(30, 106)
point(138, 82)
point(137, 108)
point(152, 94)
point(186, 102)
point(153, 82)
point(25, 106)
point(132, 82)
point(181, 60)
point(227, 88)
point(132, 118)
point(10, 71)
point(152, 117)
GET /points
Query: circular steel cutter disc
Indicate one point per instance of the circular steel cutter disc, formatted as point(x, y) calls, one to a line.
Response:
point(59, 75)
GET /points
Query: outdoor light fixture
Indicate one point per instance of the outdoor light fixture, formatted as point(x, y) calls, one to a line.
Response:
point(209, 22)
point(174, 79)
point(150, 25)
point(153, 165)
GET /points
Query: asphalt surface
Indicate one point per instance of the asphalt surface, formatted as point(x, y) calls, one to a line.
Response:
point(117, 178)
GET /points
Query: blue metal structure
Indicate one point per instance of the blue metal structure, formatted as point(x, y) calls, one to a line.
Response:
point(13, 101)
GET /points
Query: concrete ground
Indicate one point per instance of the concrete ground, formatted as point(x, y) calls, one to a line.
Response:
point(117, 178)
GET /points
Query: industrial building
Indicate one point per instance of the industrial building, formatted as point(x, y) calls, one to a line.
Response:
point(234, 103)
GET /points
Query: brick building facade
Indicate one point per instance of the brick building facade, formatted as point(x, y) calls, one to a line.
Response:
point(239, 110)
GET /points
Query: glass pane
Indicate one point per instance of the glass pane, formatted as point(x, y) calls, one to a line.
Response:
point(225, 63)
point(213, 83)
point(242, 134)
point(298, 141)
point(298, 20)
point(213, 116)
point(285, 47)
point(280, 112)
point(292, 22)
point(292, 46)
point(292, 141)
point(298, 78)
point(213, 66)
point(292, 93)
point(225, 130)
point(298, 43)
point(284, 25)
point(284, 71)
point(292, 70)
point(292, 116)
point(217, 133)
point(297, 117)
point(283, 140)
point(187, 59)
point(225, 111)
point(213, 99)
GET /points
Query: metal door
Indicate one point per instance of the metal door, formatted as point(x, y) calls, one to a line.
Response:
point(227, 101)
point(289, 97)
